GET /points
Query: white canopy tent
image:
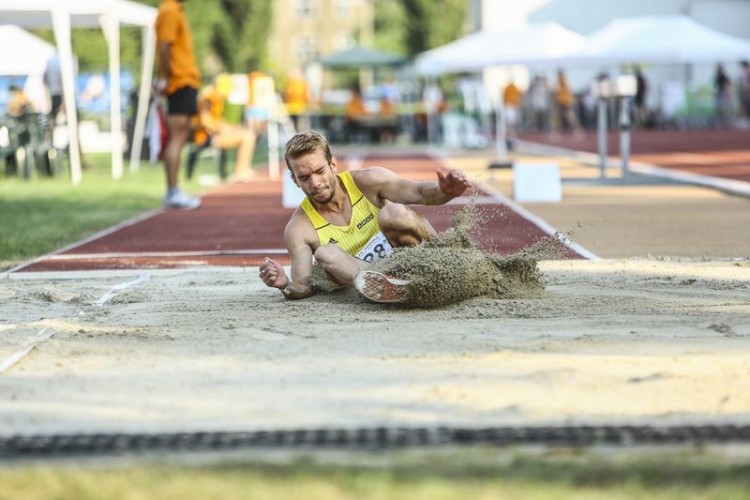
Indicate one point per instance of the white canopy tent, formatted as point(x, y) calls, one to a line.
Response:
point(538, 45)
point(24, 54)
point(27, 58)
point(61, 16)
point(674, 39)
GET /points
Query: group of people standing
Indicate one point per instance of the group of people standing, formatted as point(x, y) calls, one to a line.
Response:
point(550, 109)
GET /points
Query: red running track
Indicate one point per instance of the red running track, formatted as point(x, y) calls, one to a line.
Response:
point(722, 153)
point(238, 224)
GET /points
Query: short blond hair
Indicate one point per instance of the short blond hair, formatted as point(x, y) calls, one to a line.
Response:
point(304, 143)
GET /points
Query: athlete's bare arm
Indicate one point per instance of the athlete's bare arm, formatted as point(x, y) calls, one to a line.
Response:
point(380, 184)
point(299, 238)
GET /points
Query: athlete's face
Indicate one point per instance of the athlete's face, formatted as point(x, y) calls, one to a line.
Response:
point(315, 176)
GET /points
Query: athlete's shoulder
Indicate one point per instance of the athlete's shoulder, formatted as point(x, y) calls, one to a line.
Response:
point(300, 228)
point(374, 174)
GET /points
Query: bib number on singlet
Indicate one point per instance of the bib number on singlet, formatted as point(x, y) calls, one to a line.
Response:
point(377, 248)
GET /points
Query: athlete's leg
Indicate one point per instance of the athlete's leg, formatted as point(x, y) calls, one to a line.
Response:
point(404, 227)
point(340, 266)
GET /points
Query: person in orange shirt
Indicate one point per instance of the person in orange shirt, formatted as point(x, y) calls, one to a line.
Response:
point(512, 103)
point(210, 128)
point(179, 80)
point(355, 111)
point(296, 97)
point(564, 101)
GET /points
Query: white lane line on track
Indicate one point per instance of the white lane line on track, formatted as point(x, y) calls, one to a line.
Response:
point(496, 196)
point(100, 234)
point(730, 186)
point(142, 278)
point(198, 253)
point(19, 355)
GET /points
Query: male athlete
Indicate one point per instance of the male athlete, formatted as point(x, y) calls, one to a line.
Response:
point(350, 219)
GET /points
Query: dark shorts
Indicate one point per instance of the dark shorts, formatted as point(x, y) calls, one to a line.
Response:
point(56, 105)
point(183, 102)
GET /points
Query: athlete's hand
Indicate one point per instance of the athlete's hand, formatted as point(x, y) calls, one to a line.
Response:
point(453, 183)
point(273, 275)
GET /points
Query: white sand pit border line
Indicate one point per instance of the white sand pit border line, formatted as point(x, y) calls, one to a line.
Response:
point(17, 356)
point(197, 253)
point(498, 197)
point(95, 236)
point(142, 278)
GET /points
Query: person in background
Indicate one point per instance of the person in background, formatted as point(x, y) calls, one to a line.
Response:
point(539, 103)
point(639, 100)
point(744, 89)
point(296, 97)
point(211, 128)
point(722, 95)
point(564, 100)
point(179, 80)
point(512, 96)
point(354, 112)
point(19, 103)
point(53, 81)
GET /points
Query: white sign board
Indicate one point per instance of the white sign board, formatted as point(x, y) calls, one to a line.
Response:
point(536, 182)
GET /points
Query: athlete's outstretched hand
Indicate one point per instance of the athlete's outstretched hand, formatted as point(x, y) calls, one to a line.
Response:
point(453, 183)
point(272, 273)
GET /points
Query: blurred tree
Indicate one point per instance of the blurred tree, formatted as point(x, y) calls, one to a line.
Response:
point(413, 26)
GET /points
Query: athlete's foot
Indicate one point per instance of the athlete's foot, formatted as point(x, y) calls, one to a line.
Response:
point(379, 287)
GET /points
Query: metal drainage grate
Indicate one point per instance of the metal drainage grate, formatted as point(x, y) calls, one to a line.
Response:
point(14, 447)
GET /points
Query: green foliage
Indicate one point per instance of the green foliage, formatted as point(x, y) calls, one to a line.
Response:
point(230, 35)
point(413, 26)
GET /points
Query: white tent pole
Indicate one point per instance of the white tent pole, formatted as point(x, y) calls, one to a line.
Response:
point(501, 131)
point(272, 128)
point(61, 27)
point(111, 29)
point(149, 47)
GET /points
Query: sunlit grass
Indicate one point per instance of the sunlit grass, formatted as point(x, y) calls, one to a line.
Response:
point(460, 475)
point(42, 214)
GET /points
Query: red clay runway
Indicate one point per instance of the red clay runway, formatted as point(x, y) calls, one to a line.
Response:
point(239, 224)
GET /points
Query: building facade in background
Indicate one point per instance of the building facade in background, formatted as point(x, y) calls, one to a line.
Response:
point(305, 30)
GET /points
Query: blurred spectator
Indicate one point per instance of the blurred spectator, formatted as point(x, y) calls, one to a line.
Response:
point(566, 118)
point(722, 95)
point(512, 103)
point(296, 97)
point(53, 81)
point(389, 90)
point(539, 103)
point(434, 106)
point(19, 103)
point(639, 100)
point(387, 119)
point(210, 128)
point(744, 89)
point(179, 80)
point(354, 112)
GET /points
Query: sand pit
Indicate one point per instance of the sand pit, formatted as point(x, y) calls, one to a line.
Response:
point(654, 341)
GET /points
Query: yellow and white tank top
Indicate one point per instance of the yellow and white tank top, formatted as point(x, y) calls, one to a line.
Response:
point(362, 237)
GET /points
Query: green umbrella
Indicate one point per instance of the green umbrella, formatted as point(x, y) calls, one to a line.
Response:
point(361, 56)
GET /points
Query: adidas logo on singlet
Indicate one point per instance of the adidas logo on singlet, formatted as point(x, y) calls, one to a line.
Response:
point(331, 240)
point(365, 221)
